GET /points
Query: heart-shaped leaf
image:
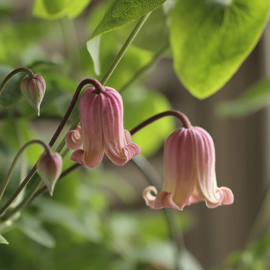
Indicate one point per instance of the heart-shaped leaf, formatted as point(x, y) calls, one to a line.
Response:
point(211, 38)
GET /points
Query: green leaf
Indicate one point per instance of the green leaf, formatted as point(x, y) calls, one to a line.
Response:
point(134, 59)
point(54, 9)
point(119, 13)
point(254, 99)
point(211, 38)
point(58, 213)
point(163, 254)
point(11, 93)
point(139, 105)
point(33, 229)
point(3, 240)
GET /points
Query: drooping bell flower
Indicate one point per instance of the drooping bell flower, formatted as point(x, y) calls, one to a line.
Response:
point(189, 168)
point(102, 130)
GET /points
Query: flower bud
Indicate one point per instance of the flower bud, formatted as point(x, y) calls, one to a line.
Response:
point(49, 166)
point(33, 89)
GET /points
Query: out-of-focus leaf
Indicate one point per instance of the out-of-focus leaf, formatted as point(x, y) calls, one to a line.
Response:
point(119, 13)
point(57, 213)
point(140, 104)
point(34, 230)
point(94, 47)
point(115, 183)
point(252, 100)
point(210, 40)
point(163, 254)
point(54, 9)
point(134, 59)
point(3, 241)
point(11, 93)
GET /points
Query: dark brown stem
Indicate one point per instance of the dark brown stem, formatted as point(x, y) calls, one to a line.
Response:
point(177, 114)
point(63, 174)
point(84, 82)
point(30, 74)
point(100, 88)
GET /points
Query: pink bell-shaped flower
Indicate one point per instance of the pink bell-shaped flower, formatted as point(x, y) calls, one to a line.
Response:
point(190, 177)
point(102, 129)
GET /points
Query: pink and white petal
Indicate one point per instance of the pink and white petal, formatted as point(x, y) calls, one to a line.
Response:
point(92, 132)
point(206, 184)
point(178, 166)
point(73, 139)
point(117, 148)
point(78, 156)
point(164, 199)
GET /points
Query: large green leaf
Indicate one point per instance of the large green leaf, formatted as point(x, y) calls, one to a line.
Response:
point(54, 9)
point(119, 13)
point(254, 99)
point(211, 38)
point(141, 104)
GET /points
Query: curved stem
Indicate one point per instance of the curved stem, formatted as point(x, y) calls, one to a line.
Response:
point(177, 114)
point(143, 69)
point(124, 48)
point(99, 87)
point(84, 82)
point(35, 192)
point(30, 74)
point(63, 174)
point(4, 185)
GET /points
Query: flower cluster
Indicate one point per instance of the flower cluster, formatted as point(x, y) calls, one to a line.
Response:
point(189, 154)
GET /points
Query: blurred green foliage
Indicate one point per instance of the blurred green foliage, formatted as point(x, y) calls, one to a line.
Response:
point(81, 226)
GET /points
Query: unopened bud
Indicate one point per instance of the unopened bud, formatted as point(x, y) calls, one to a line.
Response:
point(49, 167)
point(33, 89)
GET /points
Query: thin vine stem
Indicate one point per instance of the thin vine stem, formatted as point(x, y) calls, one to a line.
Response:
point(150, 175)
point(99, 87)
point(155, 58)
point(177, 114)
point(124, 48)
point(29, 72)
point(6, 181)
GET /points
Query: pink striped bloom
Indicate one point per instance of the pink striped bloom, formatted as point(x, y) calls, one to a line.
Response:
point(190, 177)
point(102, 130)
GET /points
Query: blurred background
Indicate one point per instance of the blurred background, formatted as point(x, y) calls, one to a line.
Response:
point(97, 219)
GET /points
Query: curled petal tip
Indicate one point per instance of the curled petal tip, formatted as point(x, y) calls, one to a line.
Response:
point(73, 139)
point(227, 195)
point(149, 197)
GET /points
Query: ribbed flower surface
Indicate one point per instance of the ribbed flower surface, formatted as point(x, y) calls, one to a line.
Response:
point(102, 130)
point(190, 177)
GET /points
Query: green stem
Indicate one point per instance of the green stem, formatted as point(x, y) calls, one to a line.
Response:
point(4, 185)
point(111, 68)
point(124, 48)
point(70, 41)
point(262, 219)
point(143, 69)
point(25, 201)
point(30, 74)
point(151, 175)
point(77, 121)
